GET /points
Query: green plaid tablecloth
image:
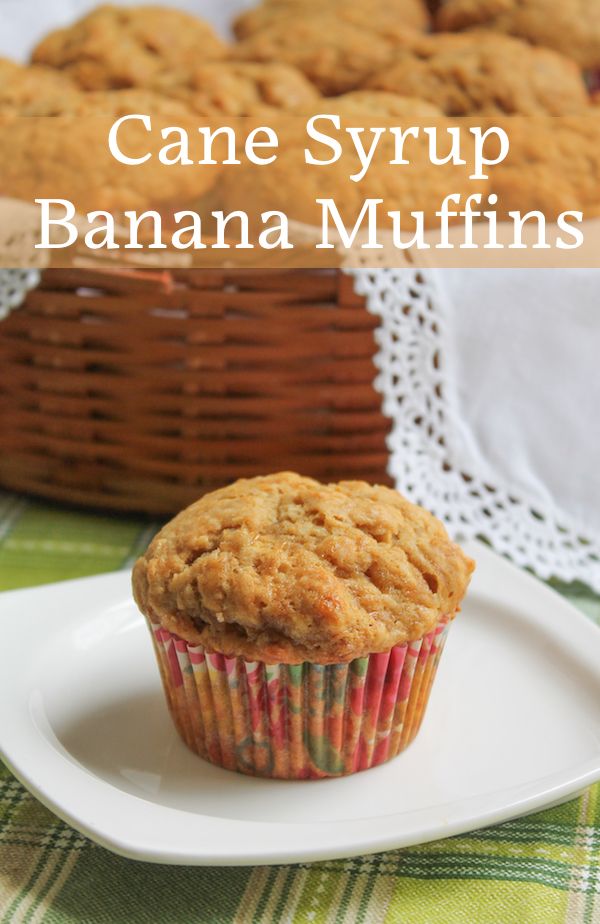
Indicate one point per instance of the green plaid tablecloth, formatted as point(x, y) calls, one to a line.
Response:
point(543, 869)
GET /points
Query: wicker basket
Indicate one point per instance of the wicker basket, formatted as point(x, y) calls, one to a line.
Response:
point(142, 390)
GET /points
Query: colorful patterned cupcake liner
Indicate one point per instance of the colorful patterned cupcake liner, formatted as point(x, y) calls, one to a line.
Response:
point(298, 721)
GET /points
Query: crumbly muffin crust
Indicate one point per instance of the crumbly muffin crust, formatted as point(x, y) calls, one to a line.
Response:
point(484, 73)
point(569, 26)
point(284, 569)
point(337, 56)
point(116, 47)
point(411, 14)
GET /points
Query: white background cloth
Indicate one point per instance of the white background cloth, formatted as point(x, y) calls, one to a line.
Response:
point(524, 357)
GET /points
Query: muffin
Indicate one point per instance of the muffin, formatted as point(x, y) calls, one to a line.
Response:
point(289, 186)
point(37, 162)
point(336, 55)
point(33, 91)
point(411, 14)
point(298, 625)
point(115, 47)
point(484, 73)
point(569, 26)
point(239, 88)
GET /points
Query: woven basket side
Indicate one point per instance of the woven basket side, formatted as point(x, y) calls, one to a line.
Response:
point(142, 390)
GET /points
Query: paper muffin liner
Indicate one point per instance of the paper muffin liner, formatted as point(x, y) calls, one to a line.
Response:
point(298, 721)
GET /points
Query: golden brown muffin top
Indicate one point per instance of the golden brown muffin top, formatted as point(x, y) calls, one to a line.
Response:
point(239, 88)
point(116, 47)
point(335, 55)
point(569, 26)
point(412, 14)
point(483, 72)
point(284, 569)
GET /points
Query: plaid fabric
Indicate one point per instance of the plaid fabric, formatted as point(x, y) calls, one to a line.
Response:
point(543, 869)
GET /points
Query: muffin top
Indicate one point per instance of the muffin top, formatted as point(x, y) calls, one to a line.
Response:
point(570, 26)
point(284, 569)
point(114, 47)
point(409, 13)
point(287, 184)
point(336, 55)
point(239, 88)
point(482, 72)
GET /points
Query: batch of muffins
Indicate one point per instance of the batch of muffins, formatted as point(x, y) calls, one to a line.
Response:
point(396, 58)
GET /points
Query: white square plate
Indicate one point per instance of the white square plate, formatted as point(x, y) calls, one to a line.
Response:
point(513, 725)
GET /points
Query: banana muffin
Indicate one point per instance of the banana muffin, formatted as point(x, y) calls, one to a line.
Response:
point(335, 54)
point(411, 14)
point(484, 73)
point(298, 625)
point(35, 162)
point(115, 47)
point(569, 26)
point(292, 187)
point(239, 88)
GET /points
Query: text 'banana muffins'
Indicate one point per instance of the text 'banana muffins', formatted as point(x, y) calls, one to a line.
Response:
point(298, 625)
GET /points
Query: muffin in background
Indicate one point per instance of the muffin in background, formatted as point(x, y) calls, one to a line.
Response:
point(337, 55)
point(34, 90)
point(116, 47)
point(36, 163)
point(410, 14)
point(289, 186)
point(569, 26)
point(239, 88)
point(484, 73)
point(553, 166)
point(298, 626)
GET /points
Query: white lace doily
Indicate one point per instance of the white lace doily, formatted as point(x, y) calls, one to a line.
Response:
point(420, 397)
point(19, 231)
point(14, 286)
